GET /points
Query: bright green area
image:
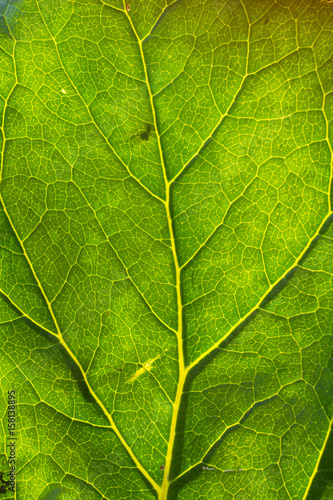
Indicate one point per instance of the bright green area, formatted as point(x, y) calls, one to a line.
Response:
point(166, 248)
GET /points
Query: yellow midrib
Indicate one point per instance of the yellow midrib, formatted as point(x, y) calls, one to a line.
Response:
point(163, 491)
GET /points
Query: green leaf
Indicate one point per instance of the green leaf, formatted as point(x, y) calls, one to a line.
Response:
point(166, 248)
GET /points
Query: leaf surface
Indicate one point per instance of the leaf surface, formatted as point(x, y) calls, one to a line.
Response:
point(166, 248)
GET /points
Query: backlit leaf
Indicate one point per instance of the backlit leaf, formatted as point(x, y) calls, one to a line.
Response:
point(166, 248)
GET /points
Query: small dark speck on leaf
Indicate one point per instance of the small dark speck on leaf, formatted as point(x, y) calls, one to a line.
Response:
point(128, 7)
point(162, 467)
point(145, 135)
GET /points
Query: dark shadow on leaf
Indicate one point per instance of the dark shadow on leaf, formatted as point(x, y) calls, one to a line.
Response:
point(322, 485)
point(324, 476)
point(325, 227)
point(177, 452)
point(188, 477)
point(144, 136)
point(309, 250)
point(327, 223)
point(3, 6)
point(160, 19)
point(195, 471)
point(10, 305)
point(53, 492)
point(199, 367)
point(208, 457)
point(4, 31)
point(208, 140)
point(193, 373)
point(10, 13)
point(194, 159)
point(77, 375)
point(63, 354)
point(278, 288)
point(238, 330)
